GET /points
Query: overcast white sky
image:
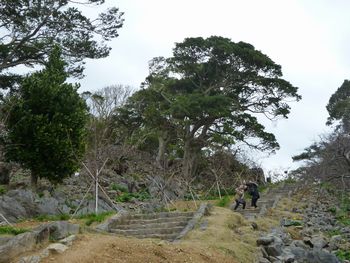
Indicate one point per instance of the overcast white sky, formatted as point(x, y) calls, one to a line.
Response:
point(309, 39)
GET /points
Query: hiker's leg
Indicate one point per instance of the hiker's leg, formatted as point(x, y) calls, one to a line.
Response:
point(254, 200)
point(237, 204)
point(243, 203)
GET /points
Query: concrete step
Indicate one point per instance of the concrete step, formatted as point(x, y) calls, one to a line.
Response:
point(160, 215)
point(153, 231)
point(153, 221)
point(169, 237)
point(245, 211)
point(136, 225)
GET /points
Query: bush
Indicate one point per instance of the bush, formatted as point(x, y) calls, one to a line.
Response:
point(126, 197)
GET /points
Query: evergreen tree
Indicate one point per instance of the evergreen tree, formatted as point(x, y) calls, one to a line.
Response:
point(46, 123)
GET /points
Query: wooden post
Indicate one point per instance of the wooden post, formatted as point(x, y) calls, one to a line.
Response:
point(96, 193)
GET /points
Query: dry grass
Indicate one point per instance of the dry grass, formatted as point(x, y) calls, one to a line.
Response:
point(227, 232)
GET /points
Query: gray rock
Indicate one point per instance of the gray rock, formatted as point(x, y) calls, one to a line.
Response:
point(204, 225)
point(308, 242)
point(265, 240)
point(17, 245)
point(318, 242)
point(11, 209)
point(299, 243)
point(4, 240)
point(47, 206)
point(62, 229)
point(335, 242)
point(263, 252)
point(274, 249)
point(298, 252)
point(287, 256)
point(320, 256)
point(30, 259)
point(264, 260)
point(57, 248)
point(68, 240)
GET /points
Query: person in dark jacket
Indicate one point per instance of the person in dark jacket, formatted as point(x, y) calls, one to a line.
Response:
point(254, 192)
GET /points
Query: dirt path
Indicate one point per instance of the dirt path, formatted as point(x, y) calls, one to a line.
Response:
point(92, 248)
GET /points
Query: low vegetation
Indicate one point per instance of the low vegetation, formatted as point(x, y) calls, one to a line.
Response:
point(92, 218)
point(10, 230)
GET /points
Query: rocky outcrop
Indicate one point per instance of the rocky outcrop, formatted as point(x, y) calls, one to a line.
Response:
point(22, 204)
point(13, 247)
point(278, 246)
point(320, 236)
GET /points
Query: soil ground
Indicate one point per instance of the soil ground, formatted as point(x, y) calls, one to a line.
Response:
point(91, 248)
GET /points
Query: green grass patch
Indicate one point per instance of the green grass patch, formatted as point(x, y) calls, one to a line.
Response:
point(118, 187)
point(10, 230)
point(334, 232)
point(343, 255)
point(224, 201)
point(290, 180)
point(91, 218)
point(42, 218)
point(333, 210)
point(344, 221)
point(2, 189)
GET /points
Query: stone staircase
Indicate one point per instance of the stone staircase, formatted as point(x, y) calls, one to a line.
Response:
point(267, 200)
point(164, 225)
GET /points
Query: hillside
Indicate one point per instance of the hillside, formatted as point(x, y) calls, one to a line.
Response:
point(301, 222)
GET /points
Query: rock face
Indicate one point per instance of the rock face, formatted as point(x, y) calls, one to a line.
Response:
point(315, 245)
point(21, 203)
point(276, 248)
point(28, 241)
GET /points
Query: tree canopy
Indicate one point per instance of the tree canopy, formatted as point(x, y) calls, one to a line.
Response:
point(211, 90)
point(339, 106)
point(46, 122)
point(30, 29)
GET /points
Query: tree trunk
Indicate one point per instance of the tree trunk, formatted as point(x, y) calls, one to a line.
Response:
point(34, 181)
point(162, 144)
point(4, 173)
point(190, 160)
